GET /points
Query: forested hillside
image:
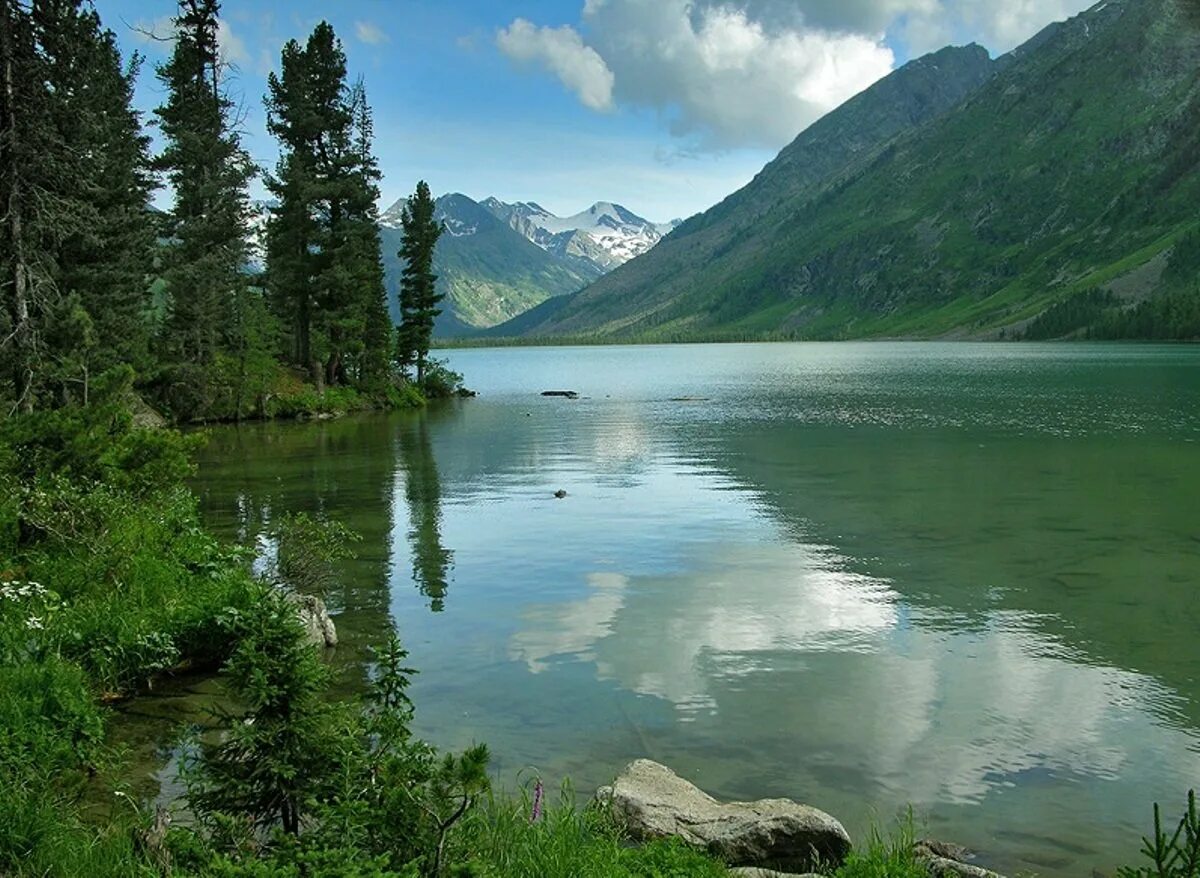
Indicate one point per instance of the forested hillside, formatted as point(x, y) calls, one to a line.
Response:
point(1053, 192)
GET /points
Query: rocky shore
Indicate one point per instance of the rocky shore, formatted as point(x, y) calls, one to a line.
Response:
point(770, 838)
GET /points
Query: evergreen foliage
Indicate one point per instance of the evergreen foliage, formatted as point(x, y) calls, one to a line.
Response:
point(1173, 856)
point(209, 172)
point(92, 278)
point(323, 259)
point(419, 296)
point(74, 182)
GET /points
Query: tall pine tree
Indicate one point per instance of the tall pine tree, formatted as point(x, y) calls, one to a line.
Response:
point(323, 254)
point(209, 172)
point(419, 296)
point(74, 184)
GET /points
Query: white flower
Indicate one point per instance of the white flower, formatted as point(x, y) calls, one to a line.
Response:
point(33, 623)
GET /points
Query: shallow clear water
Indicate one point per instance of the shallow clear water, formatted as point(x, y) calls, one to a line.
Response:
point(961, 577)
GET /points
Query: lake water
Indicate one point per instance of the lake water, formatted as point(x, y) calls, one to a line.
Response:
point(863, 576)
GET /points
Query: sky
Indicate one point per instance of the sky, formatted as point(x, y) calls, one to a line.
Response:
point(663, 106)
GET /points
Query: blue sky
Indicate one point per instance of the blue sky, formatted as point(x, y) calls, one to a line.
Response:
point(664, 106)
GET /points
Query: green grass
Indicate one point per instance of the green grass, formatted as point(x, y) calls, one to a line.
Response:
point(885, 856)
point(500, 839)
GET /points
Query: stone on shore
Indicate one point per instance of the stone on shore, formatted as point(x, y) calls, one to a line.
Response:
point(777, 834)
point(755, 872)
point(319, 629)
point(944, 860)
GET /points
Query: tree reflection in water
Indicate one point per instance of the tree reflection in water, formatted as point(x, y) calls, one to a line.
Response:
point(433, 563)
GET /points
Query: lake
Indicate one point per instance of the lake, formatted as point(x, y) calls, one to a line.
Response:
point(864, 576)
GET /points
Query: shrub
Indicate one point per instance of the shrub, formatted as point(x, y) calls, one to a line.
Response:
point(441, 382)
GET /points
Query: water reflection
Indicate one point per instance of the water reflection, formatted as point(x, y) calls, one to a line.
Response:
point(856, 576)
point(432, 563)
point(778, 645)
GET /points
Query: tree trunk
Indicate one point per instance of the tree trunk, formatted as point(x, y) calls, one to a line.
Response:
point(22, 335)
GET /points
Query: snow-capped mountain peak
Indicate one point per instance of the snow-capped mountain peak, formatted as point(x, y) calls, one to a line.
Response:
point(600, 238)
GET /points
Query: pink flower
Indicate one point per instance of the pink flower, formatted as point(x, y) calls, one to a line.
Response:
point(537, 802)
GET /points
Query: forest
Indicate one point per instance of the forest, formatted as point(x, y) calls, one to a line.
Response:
point(97, 280)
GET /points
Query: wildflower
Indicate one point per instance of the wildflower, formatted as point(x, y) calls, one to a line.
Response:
point(33, 623)
point(537, 802)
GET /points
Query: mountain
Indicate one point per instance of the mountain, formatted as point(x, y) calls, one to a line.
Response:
point(1052, 191)
point(595, 241)
point(488, 272)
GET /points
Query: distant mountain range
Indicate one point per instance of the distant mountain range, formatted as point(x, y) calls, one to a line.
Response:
point(498, 260)
point(598, 240)
point(1054, 191)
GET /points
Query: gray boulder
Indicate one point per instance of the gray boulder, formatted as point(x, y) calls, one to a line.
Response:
point(319, 629)
point(755, 872)
point(654, 802)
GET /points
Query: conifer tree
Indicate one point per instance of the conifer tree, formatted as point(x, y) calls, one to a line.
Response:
point(105, 262)
point(419, 296)
point(23, 143)
point(209, 172)
point(324, 264)
point(364, 218)
point(74, 185)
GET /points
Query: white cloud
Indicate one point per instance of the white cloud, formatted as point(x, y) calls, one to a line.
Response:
point(370, 33)
point(734, 73)
point(233, 50)
point(719, 76)
point(931, 24)
point(161, 31)
point(561, 51)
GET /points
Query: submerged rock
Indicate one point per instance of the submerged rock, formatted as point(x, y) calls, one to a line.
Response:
point(655, 802)
point(560, 493)
point(319, 629)
point(565, 394)
point(944, 860)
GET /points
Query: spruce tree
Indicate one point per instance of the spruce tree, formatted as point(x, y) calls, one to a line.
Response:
point(105, 262)
point(419, 296)
point(23, 140)
point(324, 264)
point(377, 338)
point(209, 172)
point(74, 185)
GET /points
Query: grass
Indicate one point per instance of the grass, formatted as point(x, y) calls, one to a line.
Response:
point(500, 839)
point(885, 856)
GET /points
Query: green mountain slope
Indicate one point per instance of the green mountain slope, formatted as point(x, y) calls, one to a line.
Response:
point(488, 272)
point(1071, 169)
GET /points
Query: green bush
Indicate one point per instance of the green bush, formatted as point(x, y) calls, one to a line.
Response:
point(441, 382)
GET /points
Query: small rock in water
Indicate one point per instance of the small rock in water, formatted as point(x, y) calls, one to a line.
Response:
point(319, 629)
point(560, 493)
point(948, 860)
point(565, 394)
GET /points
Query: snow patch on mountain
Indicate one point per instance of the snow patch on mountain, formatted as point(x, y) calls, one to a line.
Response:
point(602, 237)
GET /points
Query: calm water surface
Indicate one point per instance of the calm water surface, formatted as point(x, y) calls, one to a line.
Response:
point(963, 577)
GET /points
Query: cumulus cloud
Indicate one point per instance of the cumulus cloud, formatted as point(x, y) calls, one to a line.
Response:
point(731, 73)
point(161, 30)
point(233, 48)
point(721, 77)
point(370, 33)
point(561, 51)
